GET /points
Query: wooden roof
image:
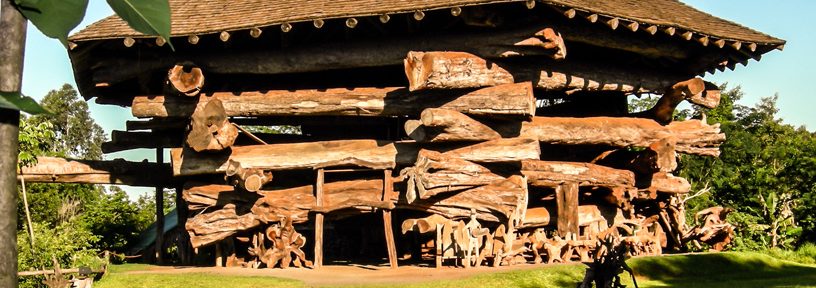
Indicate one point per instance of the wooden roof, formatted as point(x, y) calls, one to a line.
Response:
point(196, 17)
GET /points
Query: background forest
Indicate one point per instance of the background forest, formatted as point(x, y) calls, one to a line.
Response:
point(767, 173)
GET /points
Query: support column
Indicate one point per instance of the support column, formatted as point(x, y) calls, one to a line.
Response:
point(388, 190)
point(159, 214)
point(12, 46)
point(566, 196)
point(183, 243)
point(318, 245)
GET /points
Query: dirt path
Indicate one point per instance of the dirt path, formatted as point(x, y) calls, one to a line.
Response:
point(346, 274)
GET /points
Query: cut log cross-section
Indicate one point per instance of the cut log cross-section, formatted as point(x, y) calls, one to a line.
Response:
point(512, 100)
point(449, 70)
point(442, 125)
point(210, 130)
point(250, 179)
point(186, 80)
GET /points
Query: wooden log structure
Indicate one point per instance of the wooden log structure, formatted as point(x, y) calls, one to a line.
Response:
point(119, 172)
point(125, 140)
point(436, 173)
point(511, 100)
point(442, 125)
point(456, 70)
point(692, 136)
point(555, 173)
point(187, 81)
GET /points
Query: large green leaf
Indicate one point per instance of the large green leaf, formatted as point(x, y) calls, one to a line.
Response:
point(151, 17)
point(54, 18)
point(17, 101)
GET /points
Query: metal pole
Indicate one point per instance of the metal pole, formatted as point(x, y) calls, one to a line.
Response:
point(12, 47)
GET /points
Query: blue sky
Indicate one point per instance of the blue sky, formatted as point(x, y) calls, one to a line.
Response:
point(47, 65)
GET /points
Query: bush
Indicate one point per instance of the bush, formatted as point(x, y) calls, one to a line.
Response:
point(69, 243)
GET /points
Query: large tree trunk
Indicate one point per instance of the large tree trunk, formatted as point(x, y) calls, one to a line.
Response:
point(513, 100)
point(443, 125)
point(501, 201)
point(12, 45)
point(554, 173)
point(448, 70)
point(547, 216)
point(499, 150)
point(61, 170)
point(209, 227)
point(692, 136)
point(366, 153)
point(436, 173)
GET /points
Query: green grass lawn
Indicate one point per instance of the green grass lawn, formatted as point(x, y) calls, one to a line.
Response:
point(701, 270)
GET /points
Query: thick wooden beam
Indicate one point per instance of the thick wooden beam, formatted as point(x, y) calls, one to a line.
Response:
point(512, 100)
point(548, 216)
point(436, 173)
point(566, 196)
point(694, 90)
point(499, 150)
point(692, 136)
point(366, 153)
point(449, 70)
point(61, 170)
point(122, 140)
point(556, 173)
point(443, 125)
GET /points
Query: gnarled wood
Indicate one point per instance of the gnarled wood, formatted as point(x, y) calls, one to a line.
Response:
point(436, 173)
point(249, 179)
point(186, 80)
point(448, 70)
point(512, 100)
point(692, 136)
point(694, 90)
point(366, 153)
point(668, 183)
point(118, 171)
point(209, 128)
point(554, 173)
point(443, 125)
point(209, 227)
point(501, 201)
point(658, 157)
point(200, 195)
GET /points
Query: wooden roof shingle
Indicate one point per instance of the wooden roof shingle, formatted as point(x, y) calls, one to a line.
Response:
point(196, 17)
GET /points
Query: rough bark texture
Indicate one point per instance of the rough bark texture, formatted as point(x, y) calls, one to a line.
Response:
point(501, 201)
point(365, 153)
point(513, 100)
point(547, 216)
point(436, 173)
point(693, 136)
point(668, 183)
point(212, 226)
point(443, 125)
point(200, 195)
point(12, 45)
point(555, 173)
point(61, 170)
point(249, 179)
point(499, 150)
point(658, 157)
point(447, 70)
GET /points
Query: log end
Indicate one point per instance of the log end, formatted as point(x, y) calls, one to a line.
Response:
point(186, 80)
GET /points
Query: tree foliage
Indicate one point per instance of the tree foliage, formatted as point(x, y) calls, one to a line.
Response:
point(767, 172)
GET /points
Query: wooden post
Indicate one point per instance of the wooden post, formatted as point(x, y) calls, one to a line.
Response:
point(159, 214)
point(318, 246)
point(388, 188)
point(566, 196)
point(219, 255)
point(183, 242)
point(12, 46)
point(438, 244)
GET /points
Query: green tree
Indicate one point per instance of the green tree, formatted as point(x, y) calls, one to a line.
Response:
point(78, 134)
